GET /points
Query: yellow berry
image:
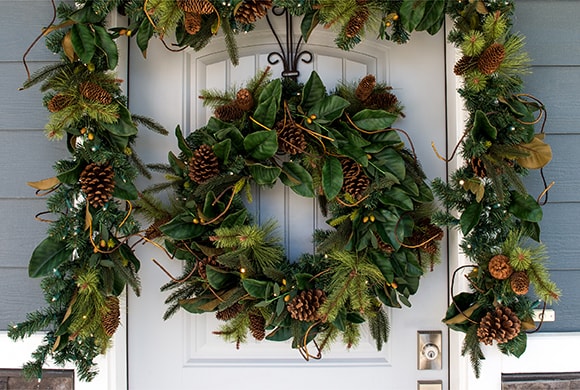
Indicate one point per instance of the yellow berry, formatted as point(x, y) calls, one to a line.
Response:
point(309, 121)
point(196, 221)
point(313, 116)
point(284, 282)
point(103, 243)
point(388, 24)
point(129, 32)
point(395, 17)
point(372, 218)
point(83, 130)
point(365, 219)
point(91, 136)
point(394, 285)
point(286, 298)
point(91, 67)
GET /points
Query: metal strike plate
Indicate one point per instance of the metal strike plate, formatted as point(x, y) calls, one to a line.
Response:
point(430, 385)
point(429, 350)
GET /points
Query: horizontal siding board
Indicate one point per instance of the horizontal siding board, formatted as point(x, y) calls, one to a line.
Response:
point(20, 232)
point(563, 170)
point(20, 109)
point(568, 307)
point(557, 88)
point(19, 295)
point(561, 234)
point(551, 38)
point(26, 156)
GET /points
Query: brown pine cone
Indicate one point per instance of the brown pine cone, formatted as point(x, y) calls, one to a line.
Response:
point(501, 325)
point(478, 167)
point(355, 180)
point(291, 139)
point(200, 7)
point(387, 248)
point(230, 312)
point(257, 326)
point(244, 99)
point(59, 102)
point(464, 64)
point(356, 22)
point(381, 101)
point(365, 87)
point(305, 305)
point(192, 23)
point(251, 10)
point(228, 112)
point(98, 183)
point(204, 165)
point(153, 231)
point(111, 317)
point(95, 93)
point(201, 264)
point(499, 267)
point(520, 282)
point(490, 60)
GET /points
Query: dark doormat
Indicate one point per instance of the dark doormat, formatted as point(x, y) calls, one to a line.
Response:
point(12, 379)
point(541, 381)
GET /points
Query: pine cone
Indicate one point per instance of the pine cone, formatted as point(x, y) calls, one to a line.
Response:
point(251, 10)
point(200, 7)
point(95, 93)
point(464, 64)
point(203, 263)
point(356, 22)
point(229, 313)
point(365, 87)
point(381, 101)
point(291, 139)
point(478, 167)
point(490, 60)
point(520, 282)
point(203, 165)
point(501, 325)
point(97, 182)
point(112, 316)
point(499, 267)
point(153, 230)
point(355, 180)
point(426, 235)
point(305, 305)
point(59, 102)
point(228, 112)
point(192, 23)
point(257, 326)
point(387, 248)
point(244, 99)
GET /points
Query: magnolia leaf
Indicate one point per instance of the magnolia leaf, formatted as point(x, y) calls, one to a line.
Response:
point(124, 126)
point(44, 184)
point(476, 187)
point(309, 22)
point(47, 256)
point(268, 104)
point(298, 179)
point(481, 8)
point(144, 34)
point(372, 120)
point(261, 145)
point(257, 288)
point(125, 189)
point(83, 41)
point(332, 177)
point(67, 47)
point(88, 219)
point(539, 153)
point(107, 45)
point(218, 278)
point(180, 229)
point(412, 12)
point(222, 150)
point(525, 207)
point(181, 143)
point(263, 174)
point(328, 109)
point(433, 16)
point(313, 92)
point(470, 217)
point(482, 127)
point(463, 316)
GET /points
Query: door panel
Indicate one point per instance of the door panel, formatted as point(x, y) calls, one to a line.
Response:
point(182, 353)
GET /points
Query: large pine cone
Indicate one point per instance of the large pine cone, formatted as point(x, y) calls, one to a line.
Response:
point(291, 139)
point(501, 325)
point(478, 167)
point(365, 87)
point(499, 267)
point(97, 182)
point(357, 22)
point(305, 305)
point(112, 316)
point(203, 165)
point(257, 326)
point(520, 282)
point(95, 93)
point(244, 99)
point(192, 23)
point(491, 58)
point(426, 235)
point(355, 180)
point(200, 7)
point(59, 102)
point(381, 101)
point(464, 64)
point(228, 112)
point(230, 312)
point(251, 10)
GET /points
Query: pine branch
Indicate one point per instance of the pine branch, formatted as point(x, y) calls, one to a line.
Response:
point(141, 167)
point(44, 73)
point(379, 327)
point(231, 45)
point(149, 123)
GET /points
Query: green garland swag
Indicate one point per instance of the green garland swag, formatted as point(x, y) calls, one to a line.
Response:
point(342, 152)
point(339, 148)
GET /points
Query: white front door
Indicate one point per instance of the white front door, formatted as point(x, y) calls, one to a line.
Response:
point(182, 353)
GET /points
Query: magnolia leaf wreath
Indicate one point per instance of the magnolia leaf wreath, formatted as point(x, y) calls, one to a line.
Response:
point(338, 147)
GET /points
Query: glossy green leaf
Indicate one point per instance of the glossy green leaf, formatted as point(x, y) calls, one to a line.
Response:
point(328, 109)
point(392, 161)
point(47, 256)
point(181, 143)
point(222, 150)
point(176, 164)
point(86, 15)
point(83, 41)
point(263, 174)
point(482, 128)
point(235, 219)
point(470, 217)
point(525, 207)
point(313, 92)
point(372, 120)
point(257, 288)
point(281, 333)
point(180, 228)
point(433, 16)
point(383, 262)
point(297, 178)
point(309, 22)
point(332, 177)
point(218, 278)
point(124, 126)
point(105, 42)
point(268, 105)
point(261, 145)
point(211, 207)
point(128, 255)
point(398, 198)
point(125, 189)
point(411, 13)
point(144, 34)
point(72, 175)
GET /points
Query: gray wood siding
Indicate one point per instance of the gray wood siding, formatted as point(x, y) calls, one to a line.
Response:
point(553, 42)
point(25, 155)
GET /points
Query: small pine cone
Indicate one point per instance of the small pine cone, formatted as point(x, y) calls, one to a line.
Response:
point(257, 326)
point(464, 64)
point(501, 325)
point(305, 305)
point(478, 167)
point(365, 87)
point(229, 313)
point(228, 112)
point(356, 22)
point(59, 102)
point(97, 182)
point(244, 99)
point(112, 316)
point(381, 101)
point(200, 7)
point(192, 23)
point(291, 139)
point(520, 282)
point(203, 263)
point(95, 93)
point(491, 58)
point(355, 180)
point(251, 10)
point(203, 165)
point(387, 248)
point(153, 230)
point(499, 267)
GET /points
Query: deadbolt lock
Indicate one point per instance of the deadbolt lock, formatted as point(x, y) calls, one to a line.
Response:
point(429, 345)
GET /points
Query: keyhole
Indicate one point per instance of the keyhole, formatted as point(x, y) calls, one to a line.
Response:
point(430, 351)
